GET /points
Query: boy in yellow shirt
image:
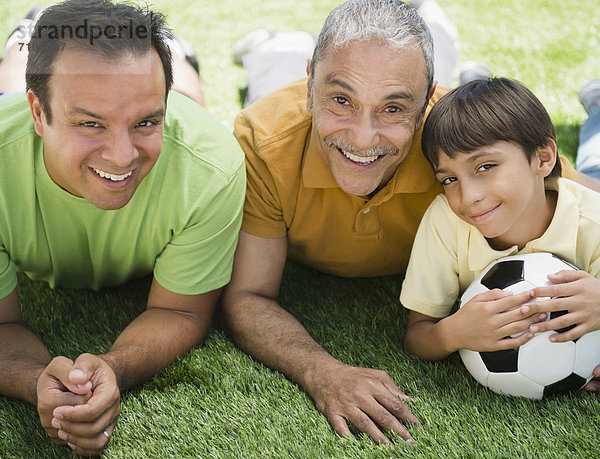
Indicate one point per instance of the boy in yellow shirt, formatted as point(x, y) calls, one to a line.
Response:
point(492, 146)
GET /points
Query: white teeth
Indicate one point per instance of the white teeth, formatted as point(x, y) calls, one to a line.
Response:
point(113, 177)
point(360, 159)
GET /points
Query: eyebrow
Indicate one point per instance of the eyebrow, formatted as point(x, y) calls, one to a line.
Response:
point(332, 80)
point(158, 113)
point(470, 159)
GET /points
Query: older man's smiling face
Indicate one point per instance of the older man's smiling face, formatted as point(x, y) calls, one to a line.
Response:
point(367, 101)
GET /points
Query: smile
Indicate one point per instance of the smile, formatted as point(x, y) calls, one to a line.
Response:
point(484, 215)
point(362, 160)
point(112, 177)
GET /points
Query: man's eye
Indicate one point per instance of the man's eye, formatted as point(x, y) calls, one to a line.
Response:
point(145, 123)
point(341, 100)
point(90, 124)
point(393, 109)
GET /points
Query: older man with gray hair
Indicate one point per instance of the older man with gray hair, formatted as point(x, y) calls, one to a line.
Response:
point(336, 181)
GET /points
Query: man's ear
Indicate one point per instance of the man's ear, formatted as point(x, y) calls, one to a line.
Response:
point(419, 123)
point(308, 86)
point(37, 113)
point(546, 158)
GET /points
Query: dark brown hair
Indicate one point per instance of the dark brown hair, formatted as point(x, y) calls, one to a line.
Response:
point(110, 30)
point(483, 112)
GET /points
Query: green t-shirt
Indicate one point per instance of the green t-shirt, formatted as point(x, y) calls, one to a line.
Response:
point(181, 224)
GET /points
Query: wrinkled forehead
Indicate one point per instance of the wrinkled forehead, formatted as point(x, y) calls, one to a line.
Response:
point(384, 55)
point(373, 66)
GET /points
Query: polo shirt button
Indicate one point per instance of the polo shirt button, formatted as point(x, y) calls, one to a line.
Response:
point(366, 211)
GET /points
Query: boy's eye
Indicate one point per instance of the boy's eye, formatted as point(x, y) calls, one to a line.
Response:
point(447, 180)
point(486, 167)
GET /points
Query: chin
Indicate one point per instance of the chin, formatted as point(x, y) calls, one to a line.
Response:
point(109, 204)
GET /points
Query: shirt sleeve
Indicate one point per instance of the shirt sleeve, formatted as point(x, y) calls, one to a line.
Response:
point(263, 212)
point(431, 284)
point(8, 274)
point(200, 258)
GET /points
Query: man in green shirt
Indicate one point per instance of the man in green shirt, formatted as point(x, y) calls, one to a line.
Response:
point(99, 184)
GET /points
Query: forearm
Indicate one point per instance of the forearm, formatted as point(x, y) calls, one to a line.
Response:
point(23, 357)
point(152, 342)
point(430, 340)
point(263, 329)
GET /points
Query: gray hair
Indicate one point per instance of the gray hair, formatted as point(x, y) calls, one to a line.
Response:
point(390, 22)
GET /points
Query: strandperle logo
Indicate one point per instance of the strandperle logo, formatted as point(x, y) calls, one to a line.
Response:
point(87, 31)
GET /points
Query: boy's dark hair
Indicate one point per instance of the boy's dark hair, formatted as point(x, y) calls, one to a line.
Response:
point(110, 30)
point(483, 112)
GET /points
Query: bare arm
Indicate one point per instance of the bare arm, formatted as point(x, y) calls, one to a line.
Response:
point(482, 324)
point(169, 327)
point(23, 356)
point(261, 327)
point(256, 322)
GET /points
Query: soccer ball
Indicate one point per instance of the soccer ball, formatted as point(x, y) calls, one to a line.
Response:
point(539, 367)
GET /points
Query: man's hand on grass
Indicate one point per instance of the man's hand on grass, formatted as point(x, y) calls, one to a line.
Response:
point(367, 398)
point(89, 403)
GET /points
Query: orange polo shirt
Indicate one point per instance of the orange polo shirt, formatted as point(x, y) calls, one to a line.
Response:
point(292, 193)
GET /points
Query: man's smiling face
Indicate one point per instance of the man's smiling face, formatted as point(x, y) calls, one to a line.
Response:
point(107, 124)
point(367, 101)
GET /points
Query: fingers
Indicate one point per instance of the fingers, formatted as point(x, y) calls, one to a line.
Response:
point(566, 276)
point(503, 300)
point(371, 401)
point(86, 437)
point(81, 426)
point(103, 399)
point(63, 370)
point(563, 284)
point(52, 391)
point(365, 424)
point(593, 386)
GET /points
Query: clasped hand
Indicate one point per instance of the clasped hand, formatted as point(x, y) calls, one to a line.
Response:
point(493, 321)
point(78, 401)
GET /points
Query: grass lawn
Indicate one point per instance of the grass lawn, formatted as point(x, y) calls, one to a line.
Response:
point(218, 402)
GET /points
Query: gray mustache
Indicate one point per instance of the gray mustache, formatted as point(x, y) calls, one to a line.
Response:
point(373, 151)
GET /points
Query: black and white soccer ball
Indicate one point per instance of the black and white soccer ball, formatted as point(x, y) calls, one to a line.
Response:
point(539, 367)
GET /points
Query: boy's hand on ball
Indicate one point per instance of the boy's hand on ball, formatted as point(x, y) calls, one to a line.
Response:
point(576, 292)
point(484, 323)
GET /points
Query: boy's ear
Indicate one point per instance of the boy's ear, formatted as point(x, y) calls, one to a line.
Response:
point(546, 158)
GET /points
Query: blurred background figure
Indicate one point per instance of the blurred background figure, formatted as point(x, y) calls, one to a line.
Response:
point(588, 153)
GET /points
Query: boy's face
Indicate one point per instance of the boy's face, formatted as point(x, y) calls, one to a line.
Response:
point(499, 192)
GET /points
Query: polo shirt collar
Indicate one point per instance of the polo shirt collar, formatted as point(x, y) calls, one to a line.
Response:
point(560, 238)
point(414, 175)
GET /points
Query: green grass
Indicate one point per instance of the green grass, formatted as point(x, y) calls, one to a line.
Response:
point(217, 401)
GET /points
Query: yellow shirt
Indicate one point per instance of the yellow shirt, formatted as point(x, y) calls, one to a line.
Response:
point(292, 193)
point(449, 253)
